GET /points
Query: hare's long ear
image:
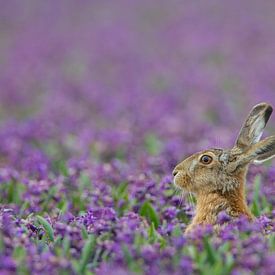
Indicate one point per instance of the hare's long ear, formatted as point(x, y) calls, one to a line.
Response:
point(254, 125)
point(258, 153)
point(264, 150)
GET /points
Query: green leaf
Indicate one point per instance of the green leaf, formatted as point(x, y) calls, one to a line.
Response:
point(182, 216)
point(255, 208)
point(47, 227)
point(127, 255)
point(139, 241)
point(85, 181)
point(148, 211)
point(84, 233)
point(177, 231)
point(169, 192)
point(152, 144)
point(229, 263)
point(120, 192)
point(152, 233)
point(63, 205)
point(19, 253)
point(60, 167)
point(86, 253)
point(155, 237)
point(210, 251)
point(66, 246)
point(14, 191)
point(271, 241)
point(191, 251)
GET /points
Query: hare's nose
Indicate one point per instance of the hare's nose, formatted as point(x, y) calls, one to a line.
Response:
point(175, 172)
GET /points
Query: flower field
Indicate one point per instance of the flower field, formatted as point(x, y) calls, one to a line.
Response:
point(99, 100)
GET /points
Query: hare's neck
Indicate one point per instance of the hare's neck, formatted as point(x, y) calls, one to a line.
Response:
point(209, 206)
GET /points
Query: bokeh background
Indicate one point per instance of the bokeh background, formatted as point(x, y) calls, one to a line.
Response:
point(96, 71)
point(124, 90)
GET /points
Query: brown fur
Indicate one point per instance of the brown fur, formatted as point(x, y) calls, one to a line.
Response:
point(220, 184)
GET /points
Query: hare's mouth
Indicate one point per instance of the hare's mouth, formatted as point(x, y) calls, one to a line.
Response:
point(182, 180)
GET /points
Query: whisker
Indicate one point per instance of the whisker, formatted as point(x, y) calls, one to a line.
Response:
point(177, 190)
point(181, 199)
point(191, 199)
point(181, 193)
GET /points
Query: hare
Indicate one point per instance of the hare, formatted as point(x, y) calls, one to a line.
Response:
point(217, 176)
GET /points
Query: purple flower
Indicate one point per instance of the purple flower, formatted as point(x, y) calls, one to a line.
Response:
point(186, 265)
point(7, 264)
point(99, 220)
point(223, 217)
point(150, 253)
point(170, 213)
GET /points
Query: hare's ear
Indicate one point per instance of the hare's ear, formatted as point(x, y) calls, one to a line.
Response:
point(265, 150)
point(254, 125)
point(258, 153)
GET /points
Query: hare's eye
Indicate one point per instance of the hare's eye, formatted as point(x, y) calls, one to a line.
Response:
point(205, 159)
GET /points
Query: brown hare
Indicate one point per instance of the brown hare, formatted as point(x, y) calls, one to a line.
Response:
point(217, 176)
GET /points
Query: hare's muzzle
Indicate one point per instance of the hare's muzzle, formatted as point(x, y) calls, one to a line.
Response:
point(181, 179)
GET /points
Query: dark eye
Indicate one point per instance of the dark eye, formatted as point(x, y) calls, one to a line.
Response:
point(205, 159)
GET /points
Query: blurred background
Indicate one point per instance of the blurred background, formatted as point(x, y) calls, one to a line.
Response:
point(129, 79)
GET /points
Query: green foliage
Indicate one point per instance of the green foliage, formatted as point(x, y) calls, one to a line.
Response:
point(133, 265)
point(148, 211)
point(152, 144)
point(47, 227)
point(255, 206)
point(61, 167)
point(155, 237)
point(12, 192)
point(182, 216)
point(259, 203)
point(210, 251)
point(19, 255)
point(78, 195)
point(211, 260)
point(86, 254)
point(121, 198)
point(271, 241)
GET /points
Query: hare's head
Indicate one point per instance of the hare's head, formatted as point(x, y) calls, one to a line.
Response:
point(224, 169)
